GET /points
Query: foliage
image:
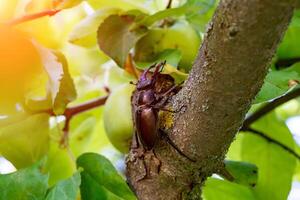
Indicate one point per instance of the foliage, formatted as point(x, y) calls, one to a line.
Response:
point(56, 62)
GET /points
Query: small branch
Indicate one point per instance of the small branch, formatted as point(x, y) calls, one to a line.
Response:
point(169, 4)
point(32, 17)
point(286, 62)
point(269, 139)
point(224, 173)
point(72, 111)
point(270, 106)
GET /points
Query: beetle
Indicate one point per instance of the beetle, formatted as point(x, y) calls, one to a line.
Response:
point(153, 90)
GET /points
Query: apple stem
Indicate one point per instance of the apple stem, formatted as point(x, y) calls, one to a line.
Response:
point(30, 17)
point(130, 67)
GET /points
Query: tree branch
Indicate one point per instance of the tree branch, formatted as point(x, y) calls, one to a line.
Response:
point(269, 107)
point(169, 4)
point(72, 111)
point(32, 17)
point(75, 110)
point(269, 139)
point(283, 63)
point(228, 73)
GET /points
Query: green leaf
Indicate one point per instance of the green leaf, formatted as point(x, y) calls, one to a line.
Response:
point(66, 189)
point(234, 152)
point(201, 16)
point(289, 47)
point(179, 76)
point(276, 165)
point(60, 164)
point(125, 5)
point(117, 35)
point(81, 137)
point(85, 32)
point(216, 189)
point(171, 56)
point(61, 86)
point(158, 41)
point(190, 9)
point(277, 84)
point(297, 169)
point(100, 180)
point(244, 173)
point(25, 184)
point(25, 140)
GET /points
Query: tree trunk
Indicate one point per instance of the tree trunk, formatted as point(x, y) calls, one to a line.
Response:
point(228, 72)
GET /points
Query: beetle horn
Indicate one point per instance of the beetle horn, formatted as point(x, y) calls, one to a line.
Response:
point(144, 74)
point(162, 65)
point(159, 68)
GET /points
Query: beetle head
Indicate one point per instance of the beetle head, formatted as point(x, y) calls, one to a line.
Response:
point(147, 81)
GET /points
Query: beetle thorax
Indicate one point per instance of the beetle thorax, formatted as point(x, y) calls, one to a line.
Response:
point(146, 97)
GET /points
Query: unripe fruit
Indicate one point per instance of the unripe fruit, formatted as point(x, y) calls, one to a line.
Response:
point(20, 64)
point(181, 36)
point(118, 122)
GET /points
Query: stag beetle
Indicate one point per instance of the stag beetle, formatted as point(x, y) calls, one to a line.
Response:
point(153, 90)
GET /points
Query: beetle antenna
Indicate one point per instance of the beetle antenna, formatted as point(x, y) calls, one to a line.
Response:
point(144, 74)
point(157, 69)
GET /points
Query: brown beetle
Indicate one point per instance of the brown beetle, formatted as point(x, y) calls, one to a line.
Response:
point(151, 95)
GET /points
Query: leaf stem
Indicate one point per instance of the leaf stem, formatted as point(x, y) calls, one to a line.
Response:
point(269, 139)
point(30, 17)
point(270, 106)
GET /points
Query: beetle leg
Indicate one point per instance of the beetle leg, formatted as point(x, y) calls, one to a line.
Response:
point(168, 110)
point(135, 143)
point(151, 165)
point(167, 138)
point(144, 74)
point(169, 91)
point(157, 162)
point(159, 67)
point(162, 65)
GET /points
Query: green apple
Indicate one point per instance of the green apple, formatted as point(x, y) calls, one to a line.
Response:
point(118, 122)
point(181, 35)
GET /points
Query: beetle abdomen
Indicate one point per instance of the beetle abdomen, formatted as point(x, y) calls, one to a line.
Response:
point(147, 128)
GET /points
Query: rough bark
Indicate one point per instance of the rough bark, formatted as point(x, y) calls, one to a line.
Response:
point(229, 71)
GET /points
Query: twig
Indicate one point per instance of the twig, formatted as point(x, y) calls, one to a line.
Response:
point(169, 4)
point(72, 111)
point(270, 106)
point(283, 63)
point(32, 17)
point(269, 139)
